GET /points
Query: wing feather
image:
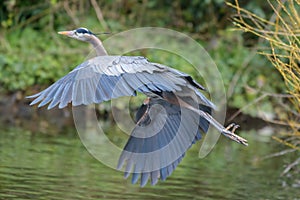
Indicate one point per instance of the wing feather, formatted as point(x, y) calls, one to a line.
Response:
point(159, 142)
point(105, 77)
point(66, 96)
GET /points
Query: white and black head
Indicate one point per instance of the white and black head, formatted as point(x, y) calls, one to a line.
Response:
point(82, 34)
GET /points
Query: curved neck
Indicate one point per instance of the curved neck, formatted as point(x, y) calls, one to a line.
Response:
point(98, 46)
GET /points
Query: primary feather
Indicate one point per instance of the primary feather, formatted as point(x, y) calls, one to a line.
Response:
point(106, 77)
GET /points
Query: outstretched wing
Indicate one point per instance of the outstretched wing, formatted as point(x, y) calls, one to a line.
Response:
point(105, 77)
point(158, 143)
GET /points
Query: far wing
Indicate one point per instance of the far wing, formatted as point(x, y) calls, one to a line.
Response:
point(159, 141)
point(105, 77)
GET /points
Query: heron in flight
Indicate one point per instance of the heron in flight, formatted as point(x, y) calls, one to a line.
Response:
point(171, 119)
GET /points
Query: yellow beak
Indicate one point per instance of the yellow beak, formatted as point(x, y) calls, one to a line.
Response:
point(67, 33)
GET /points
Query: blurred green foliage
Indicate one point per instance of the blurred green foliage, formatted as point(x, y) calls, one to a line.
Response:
point(32, 54)
point(32, 57)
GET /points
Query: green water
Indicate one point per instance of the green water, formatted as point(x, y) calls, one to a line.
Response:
point(59, 167)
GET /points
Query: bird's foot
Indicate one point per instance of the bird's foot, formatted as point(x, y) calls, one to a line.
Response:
point(229, 132)
point(232, 126)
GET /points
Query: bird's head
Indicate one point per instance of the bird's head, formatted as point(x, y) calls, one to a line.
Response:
point(82, 34)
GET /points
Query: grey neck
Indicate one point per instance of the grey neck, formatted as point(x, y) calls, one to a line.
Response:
point(98, 46)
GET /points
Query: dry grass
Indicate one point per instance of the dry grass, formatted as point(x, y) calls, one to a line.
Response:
point(282, 34)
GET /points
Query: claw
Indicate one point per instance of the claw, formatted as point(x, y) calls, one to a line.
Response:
point(230, 126)
point(235, 127)
point(231, 135)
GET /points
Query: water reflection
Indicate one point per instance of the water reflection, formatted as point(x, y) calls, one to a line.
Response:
point(59, 167)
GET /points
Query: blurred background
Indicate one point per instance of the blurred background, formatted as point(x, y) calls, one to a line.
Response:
point(255, 45)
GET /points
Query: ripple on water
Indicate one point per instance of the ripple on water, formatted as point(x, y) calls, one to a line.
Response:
point(59, 167)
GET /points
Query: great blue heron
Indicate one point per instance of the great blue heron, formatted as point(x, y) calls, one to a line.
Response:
point(181, 106)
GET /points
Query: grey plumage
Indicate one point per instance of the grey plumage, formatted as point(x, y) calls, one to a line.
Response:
point(173, 118)
point(106, 77)
point(165, 127)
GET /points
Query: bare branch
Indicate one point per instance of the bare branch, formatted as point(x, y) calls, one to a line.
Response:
point(99, 14)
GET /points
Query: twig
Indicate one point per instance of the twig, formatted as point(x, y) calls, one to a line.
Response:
point(246, 106)
point(280, 153)
point(99, 14)
point(286, 143)
point(70, 13)
point(280, 122)
point(264, 94)
point(246, 62)
point(36, 17)
point(290, 166)
point(289, 109)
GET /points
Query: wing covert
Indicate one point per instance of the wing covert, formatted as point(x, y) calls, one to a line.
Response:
point(105, 77)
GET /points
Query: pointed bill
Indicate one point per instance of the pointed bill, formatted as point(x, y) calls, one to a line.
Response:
point(67, 33)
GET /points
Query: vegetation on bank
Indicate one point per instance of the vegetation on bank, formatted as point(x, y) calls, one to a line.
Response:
point(33, 55)
point(282, 33)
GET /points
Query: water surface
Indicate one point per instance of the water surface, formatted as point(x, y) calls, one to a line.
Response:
point(37, 166)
